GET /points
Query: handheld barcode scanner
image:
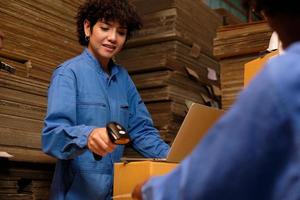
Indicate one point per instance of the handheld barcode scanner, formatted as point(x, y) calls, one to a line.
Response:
point(117, 134)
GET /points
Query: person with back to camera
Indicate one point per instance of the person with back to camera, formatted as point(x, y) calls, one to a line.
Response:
point(253, 151)
point(87, 92)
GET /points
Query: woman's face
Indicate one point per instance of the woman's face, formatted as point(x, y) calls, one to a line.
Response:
point(106, 39)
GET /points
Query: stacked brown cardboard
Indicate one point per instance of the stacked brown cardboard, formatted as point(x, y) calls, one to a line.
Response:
point(19, 181)
point(38, 36)
point(22, 109)
point(165, 93)
point(182, 20)
point(234, 46)
point(173, 55)
point(171, 59)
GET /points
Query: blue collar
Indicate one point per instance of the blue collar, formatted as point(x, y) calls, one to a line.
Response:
point(97, 66)
point(294, 47)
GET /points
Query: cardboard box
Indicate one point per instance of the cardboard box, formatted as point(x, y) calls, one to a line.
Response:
point(128, 175)
point(253, 67)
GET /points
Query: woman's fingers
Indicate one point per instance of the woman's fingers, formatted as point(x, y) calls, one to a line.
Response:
point(99, 142)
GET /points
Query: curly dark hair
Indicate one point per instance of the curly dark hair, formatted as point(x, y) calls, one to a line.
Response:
point(275, 7)
point(108, 10)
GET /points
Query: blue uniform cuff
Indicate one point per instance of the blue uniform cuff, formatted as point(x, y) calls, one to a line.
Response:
point(83, 139)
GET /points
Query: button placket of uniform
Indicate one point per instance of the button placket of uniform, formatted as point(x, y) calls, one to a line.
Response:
point(104, 78)
point(109, 91)
point(110, 95)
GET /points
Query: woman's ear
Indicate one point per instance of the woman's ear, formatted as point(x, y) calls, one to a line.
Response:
point(87, 28)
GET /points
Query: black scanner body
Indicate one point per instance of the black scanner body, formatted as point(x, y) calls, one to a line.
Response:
point(117, 134)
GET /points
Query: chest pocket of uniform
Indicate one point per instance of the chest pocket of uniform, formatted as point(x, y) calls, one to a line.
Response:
point(124, 114)
point(92, 110)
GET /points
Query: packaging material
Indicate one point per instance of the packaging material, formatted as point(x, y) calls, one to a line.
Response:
point(195, 125)
point(128, 175)
point(253, 67)
point(234, 46)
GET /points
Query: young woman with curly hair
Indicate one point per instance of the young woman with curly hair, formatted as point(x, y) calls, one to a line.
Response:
point(87, 92)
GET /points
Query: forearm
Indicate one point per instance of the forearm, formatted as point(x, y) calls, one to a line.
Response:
point(65, 142)
point(151, 145)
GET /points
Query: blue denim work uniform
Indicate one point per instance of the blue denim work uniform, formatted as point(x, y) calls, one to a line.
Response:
point(253, 151)
point(82, 97)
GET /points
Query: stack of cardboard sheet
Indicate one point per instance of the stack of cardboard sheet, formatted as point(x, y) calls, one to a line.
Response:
point(33, 189)
point(182, 20)
point(173, 55)
point(38, 36)
point(165, 93)
point(176, 35)
point(171, 59)
point(234, 46)
point(242, 39)
point(18, 181)
point(41, 34)
point(22, 109)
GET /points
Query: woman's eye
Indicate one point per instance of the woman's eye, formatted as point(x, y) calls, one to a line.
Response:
point(122, 33)
point(104, 28)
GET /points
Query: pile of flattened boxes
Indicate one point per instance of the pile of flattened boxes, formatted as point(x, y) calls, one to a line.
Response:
point(171, 59)
point(234, 46)
point(25, 181)
point(28, 174)
point(29, 46)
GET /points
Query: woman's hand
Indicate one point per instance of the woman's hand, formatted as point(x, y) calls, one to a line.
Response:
point(99, 142)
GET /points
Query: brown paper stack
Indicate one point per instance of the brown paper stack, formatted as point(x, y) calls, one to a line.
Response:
point(20, 181)
point(38, 36)
point(234, 46)
point(171, 59)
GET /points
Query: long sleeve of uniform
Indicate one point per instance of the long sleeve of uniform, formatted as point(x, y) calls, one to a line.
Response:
point(62, 137)
point(145, 137)
point(253, 151)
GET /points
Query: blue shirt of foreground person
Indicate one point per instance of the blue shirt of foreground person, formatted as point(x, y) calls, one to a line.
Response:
point(253, 151)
